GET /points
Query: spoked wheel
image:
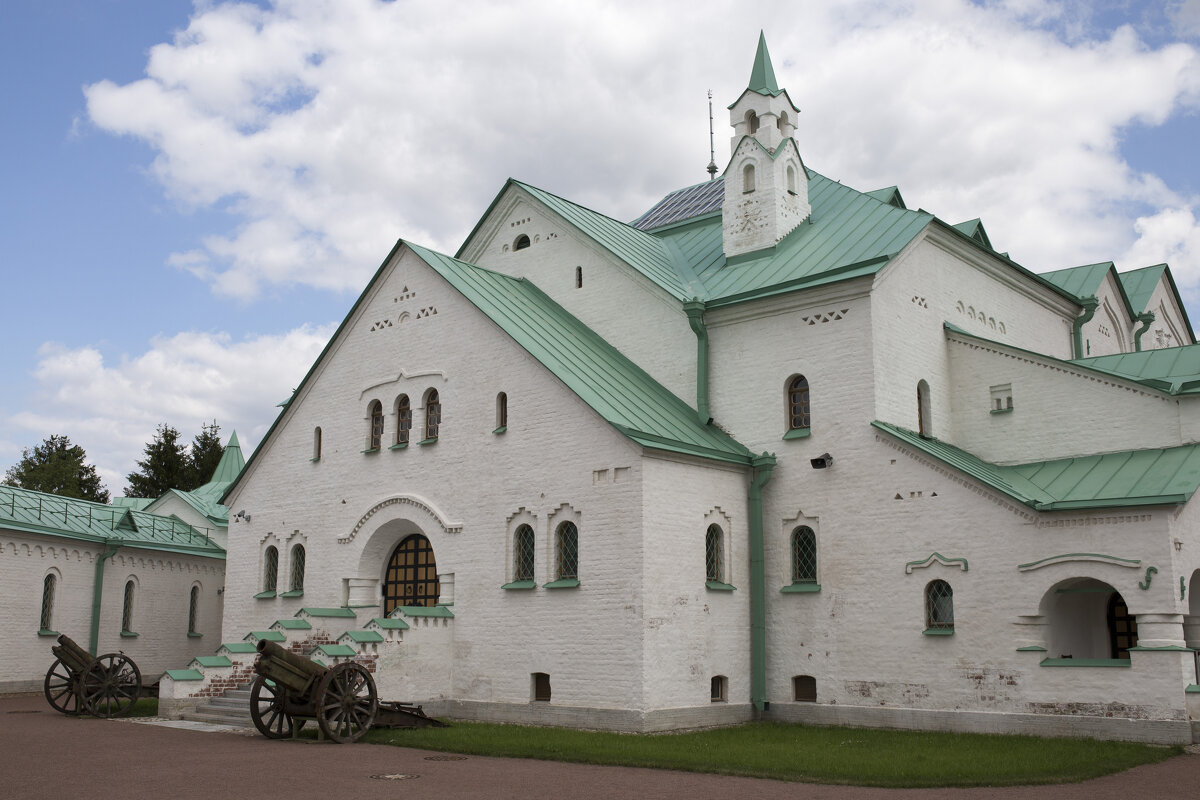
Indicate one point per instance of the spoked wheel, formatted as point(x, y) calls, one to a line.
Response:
point(61, 688)
point(111, 685)
point(266, 709)
point(346, 702)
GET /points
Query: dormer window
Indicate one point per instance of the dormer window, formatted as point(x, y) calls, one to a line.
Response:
point(521, 243)
point(748, 178)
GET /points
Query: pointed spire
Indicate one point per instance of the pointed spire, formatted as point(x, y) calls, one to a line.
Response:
point(231, 462)
point(762, 76)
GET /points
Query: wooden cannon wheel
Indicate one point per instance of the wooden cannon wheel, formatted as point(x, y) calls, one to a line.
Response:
point(266, 709)
point(111, 685)
point(61, 688)
point(346, 702)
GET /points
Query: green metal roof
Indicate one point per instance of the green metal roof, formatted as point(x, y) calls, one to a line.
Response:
point(1080, 281)
point(362, 637)
point(974, 229)
point(1140, 285)
point(1167, 476)
point(237, 647)
point(136, 503)
point(425, 611)
point(325, 612)
point(38, 512)
point(1175, 370)
point(889, 195)
point(617, 389)
point(389, 624)
point(212, 661)
point(762, 74)
point(335, 650)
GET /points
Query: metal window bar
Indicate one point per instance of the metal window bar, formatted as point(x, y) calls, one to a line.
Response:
point(568, 551)
point(127, 608)
point(523, 554)
point(433, 415)
point(47, 603)
point(193, 603)
point(798, 406)
point(411, 578)
point(939, 606)
point(271, 570)
point(804, 555)
point(404, 420)
point(296, 584)
point(714, 566)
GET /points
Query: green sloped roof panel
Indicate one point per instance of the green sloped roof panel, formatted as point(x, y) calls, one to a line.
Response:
point(1140, 285)
point(762, 74)
point(1164, 476)
point(389, 624)
point(1081, 281)
point(1172, 369)
point(325, 612)
point(616, 388)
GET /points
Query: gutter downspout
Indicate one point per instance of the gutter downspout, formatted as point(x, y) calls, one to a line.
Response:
point(694, 309)
point(98, 591)
point(1147, 319)
point(763, 465)
point(1090, 304)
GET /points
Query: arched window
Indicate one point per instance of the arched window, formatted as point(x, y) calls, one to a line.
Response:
point(411, 578)
point(194, 607)
point(296, 579)
point(521, 242)
point(924, 412)
point(713, 556)
point(270, 569)
point(804, 555)
point(375, 432)
point(791, 179)
point(748, 178)
point(403, 419)
point(316, 456)
point(48, 586)
point(782, 120)
point(718, 688)
point(751, 123)
point(799, 417)
point(127, 609)
point(566, 551)
point(523, 554)
point(433, 414)
point(939, 606)
point(1087, 618)
point(501, 412)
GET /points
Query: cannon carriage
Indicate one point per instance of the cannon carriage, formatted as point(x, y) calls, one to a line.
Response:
point(289, 690)
point(78, 683)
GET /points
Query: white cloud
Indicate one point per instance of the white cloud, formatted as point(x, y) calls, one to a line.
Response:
point(112, 409)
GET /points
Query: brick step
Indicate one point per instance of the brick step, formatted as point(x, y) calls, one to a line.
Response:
point(218, 717)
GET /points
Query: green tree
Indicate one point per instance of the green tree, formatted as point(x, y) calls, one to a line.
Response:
point(206, 453)
point(166, 466)
point(58, 467)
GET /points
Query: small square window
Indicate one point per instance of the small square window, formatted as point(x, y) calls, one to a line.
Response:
point(720, 685)
point(1002, 400)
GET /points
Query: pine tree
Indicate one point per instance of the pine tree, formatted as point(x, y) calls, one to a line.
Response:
point(57, 466)
point(166, 466)
point(206, 453)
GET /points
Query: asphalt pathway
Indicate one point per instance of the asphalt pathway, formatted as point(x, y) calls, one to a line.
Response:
point(44, 754)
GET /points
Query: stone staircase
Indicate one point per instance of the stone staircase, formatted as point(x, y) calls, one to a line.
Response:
point(231, 708)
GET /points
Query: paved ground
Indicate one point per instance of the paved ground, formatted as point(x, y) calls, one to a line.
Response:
point(44, 754)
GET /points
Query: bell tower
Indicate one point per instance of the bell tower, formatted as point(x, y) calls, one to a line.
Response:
point(766, 187)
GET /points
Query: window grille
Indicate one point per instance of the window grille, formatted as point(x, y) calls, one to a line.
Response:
point(412, 577)
point(433, 415)
point(715, 566)
point(296, 584)
point(523, 554)
point(403, 420)
point(521, 242)
point(939, 606)
point(567, 551)
point(193, 608)
point(804, 555)
point(376, 425)
point(127, 608)
point(270, 569)
point(48, 602)
point(798, 405)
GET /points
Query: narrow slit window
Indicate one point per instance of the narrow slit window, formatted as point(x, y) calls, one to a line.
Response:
point(296, 582)
point(579, 277)
point(567, 551)
point(375, 432)
point(748, 178)
point(316, 456)
point(403, 419)
point(501, 411)
point(523, 554)
point(270, 569)
point(924, 411)
point(193, 609)
point(713, 557)
point(48, 586)
point(127, 609)
point(433, 414)
point(718, 688)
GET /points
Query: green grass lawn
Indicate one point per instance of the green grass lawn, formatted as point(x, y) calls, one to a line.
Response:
point(801, 753)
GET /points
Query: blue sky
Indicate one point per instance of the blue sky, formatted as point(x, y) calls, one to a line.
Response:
point(195, 193)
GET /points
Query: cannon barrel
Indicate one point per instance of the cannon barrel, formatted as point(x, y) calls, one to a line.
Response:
point(71, 654)
point(296, 673)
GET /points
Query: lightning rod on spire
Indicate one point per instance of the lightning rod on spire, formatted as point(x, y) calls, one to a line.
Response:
point(712, 151)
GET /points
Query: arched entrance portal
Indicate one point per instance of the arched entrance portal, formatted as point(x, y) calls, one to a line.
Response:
point(411, 578)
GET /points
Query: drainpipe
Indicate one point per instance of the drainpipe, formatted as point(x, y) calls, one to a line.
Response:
point(1090, 304)
point(758, 580)
point(98, 591)
point(1147, 319)
point(694, 309)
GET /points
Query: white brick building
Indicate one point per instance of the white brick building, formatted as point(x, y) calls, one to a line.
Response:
point(778, 448)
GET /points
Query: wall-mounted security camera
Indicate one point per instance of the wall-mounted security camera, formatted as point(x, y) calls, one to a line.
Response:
point(822, 461)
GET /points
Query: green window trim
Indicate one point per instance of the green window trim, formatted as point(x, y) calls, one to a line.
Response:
point(562, 583)
point(1170, 648)
point(194, 635)
point(798, 433)
point(1085, 662)
point(1192, 689)
point(128, 635)
point(718, 586)
point(427, 441)
point(370, 451)
point(399, 446)
point(1001, 410)
point(801, 587)
point(315, 459)
point(267, 595)
point(1032, 648)
point(938, 632)
point(44, 632)
point(293, 593)
point(501, 429)
point(520, 585)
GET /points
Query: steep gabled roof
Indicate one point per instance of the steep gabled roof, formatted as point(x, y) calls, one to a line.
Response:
point(613, 386)
point(1140, 285)
point(974, 229)
point(51, 515)
point(1175, 370)
point(1085, 281)
point(1164, 476)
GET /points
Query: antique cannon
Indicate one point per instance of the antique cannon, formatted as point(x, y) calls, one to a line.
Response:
point(289, 689)
point(77, 683)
